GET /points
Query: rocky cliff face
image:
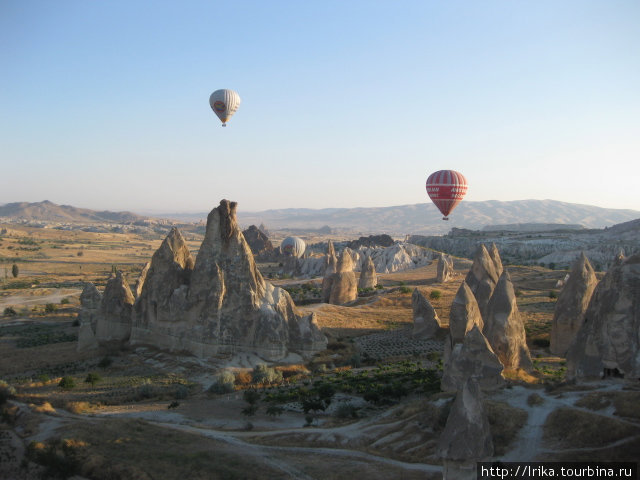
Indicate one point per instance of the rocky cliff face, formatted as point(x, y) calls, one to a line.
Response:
point(220, 304)
point(608, 342)
point(572, 305)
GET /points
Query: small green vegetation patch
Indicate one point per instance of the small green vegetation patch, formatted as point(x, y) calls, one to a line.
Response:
point(37, 335)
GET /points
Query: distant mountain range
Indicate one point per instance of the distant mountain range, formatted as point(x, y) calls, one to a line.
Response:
point(421, 218)
point(51, 212)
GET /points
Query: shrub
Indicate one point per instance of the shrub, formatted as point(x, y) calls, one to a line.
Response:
point(405, 290)
point(64, 301)
point(50, 308)
point(92, 378)
point(173, 404)
point(44, 378)
point(15, 270)
point(80, 253)
point(379, 287)
point(265, 375)
point(553, 294)
point(225, 383)
point(10, 312)
point(6, 392)
point(346, 410)
point(435, 294)
point(67, 383)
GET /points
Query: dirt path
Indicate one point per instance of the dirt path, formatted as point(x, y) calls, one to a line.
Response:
point(25, 300)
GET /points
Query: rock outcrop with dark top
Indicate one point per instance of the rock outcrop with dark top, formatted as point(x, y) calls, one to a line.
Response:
point(221, 304)
point(504, 328)
point(258, 241)
point(466, 438)
point(368, 277)
point(608, 342)
point(571, 305)
point(426, 323)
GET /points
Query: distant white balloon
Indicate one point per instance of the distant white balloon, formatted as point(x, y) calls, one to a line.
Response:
point(293, 246)
point(224, 104)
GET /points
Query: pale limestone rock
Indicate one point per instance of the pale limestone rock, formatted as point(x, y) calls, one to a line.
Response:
point(472, 358)
point(444, 271)
point(90, 300)
point(344, 286)
point(571, 305)
point(330, 268)
point(483, 276)
point(114, 318)
point(221, 305)
point(466, 438)
point(608, 342)
point(368, 277)
point(426, 323)
point(504, 327)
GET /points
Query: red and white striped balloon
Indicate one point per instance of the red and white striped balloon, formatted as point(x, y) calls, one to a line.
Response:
point(446, 188)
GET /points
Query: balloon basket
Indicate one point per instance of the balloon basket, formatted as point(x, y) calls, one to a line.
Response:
point(445, 218)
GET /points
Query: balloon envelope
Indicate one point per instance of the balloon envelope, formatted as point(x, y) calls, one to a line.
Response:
point(446, 188)
point(293, 246)
point(224, 104)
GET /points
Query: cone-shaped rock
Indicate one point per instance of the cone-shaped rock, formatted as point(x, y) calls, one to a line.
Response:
point(164, 290)
point(426, 323)
point(571, 305)
point(497, 261)
point(368, 277)
point(472, 358)
point(114, 319)
point(609, 341)
point(466, 438)
point(464, 314)
point(141, 279)
point(222, 304)
point(444, 271)
point(344, 286)
point(483, 277)
point(504, 328)
point(258, 241)
point(330, 268)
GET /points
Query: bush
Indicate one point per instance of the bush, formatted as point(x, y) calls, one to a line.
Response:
point(50, 308)
point(6, 392)
point(105, 362)
point(67, 383)
point(64, 301)
point(10, 312)
point(80, 253)
point(346, 410)
point(553, 294)
point(435, 294)
point(15, 270)
point(92, 378)
point(265, 375)
point(405, 290)
point(225, 383)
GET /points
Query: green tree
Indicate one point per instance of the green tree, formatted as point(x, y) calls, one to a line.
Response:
point(15, 270)
point(67, 383)
point(93, 378)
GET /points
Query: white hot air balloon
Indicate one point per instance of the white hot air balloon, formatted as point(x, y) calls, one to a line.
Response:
point(293, 246)
point(224, 104)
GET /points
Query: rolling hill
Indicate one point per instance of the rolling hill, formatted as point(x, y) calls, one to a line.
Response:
point(51, 212)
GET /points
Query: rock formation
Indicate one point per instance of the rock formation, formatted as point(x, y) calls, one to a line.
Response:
point(329, 269)
point(368, 277)
point(344, 286)
point(466, 438)
point(608, 342)
point(90, 300)
point(426, 323)
point(114, 318)
point(571, 305)
point(464, 314)
point(483, 276)
point(472, 358)
point(383, 240)
point(141, 279)
point(504, 327)
point(221, 304)
point(258, 241)
point(444, 268)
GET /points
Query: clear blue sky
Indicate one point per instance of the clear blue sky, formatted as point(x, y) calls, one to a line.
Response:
point(104, 104)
